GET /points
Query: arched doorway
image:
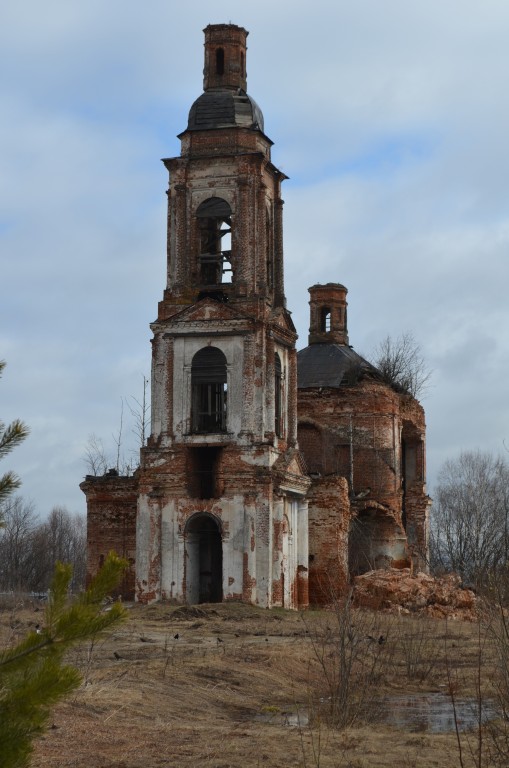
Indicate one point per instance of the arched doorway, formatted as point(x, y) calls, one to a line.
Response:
point(375, 541)
point(204, 560)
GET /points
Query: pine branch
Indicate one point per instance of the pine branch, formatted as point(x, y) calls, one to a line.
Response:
point(33, 676)
point(11, 436)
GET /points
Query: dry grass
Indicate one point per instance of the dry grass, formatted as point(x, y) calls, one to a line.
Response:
point(221, 694)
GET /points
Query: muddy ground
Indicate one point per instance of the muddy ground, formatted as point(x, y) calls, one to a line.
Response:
point(232, 685)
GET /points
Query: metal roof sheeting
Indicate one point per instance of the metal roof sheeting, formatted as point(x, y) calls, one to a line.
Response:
point(331, 365)
point(223, 109)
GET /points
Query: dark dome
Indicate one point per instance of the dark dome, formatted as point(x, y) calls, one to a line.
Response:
point(331, 365)
point(224, 109)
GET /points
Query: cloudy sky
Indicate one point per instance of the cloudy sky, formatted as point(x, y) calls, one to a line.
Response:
point(391, 120)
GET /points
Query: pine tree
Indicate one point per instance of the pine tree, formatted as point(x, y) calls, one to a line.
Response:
point(10, 437)
point(34, 675)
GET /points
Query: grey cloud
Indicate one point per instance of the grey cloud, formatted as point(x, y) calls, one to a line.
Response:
point(389, 119)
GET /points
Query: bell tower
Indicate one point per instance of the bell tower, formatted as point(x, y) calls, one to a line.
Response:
point(222, 510)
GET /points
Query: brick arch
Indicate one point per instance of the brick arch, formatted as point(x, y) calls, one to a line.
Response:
point(375, 540)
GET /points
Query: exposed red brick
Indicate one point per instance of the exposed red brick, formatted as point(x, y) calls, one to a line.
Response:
point(243, 497)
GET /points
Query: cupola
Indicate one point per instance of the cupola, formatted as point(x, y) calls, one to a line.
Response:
point(328, 317)
point(225, 102)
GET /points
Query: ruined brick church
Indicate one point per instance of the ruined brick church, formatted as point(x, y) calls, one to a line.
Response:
point(269, 476)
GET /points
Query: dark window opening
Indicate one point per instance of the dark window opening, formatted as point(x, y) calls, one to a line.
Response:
point(209, 388)
point(278, 399)
point(202, 472)
point(220, 61)
point(216, 295)
point(403, 483)
point(270, 260)
point(215, 228)
point(344, 462)
point(325, 320)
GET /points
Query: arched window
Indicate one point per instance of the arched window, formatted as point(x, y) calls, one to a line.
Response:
point(215, 226)
point(219, 61)
point(278, 398)
point(325, 318)
point(208, 391)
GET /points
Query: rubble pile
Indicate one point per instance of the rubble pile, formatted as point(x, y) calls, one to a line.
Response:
point(401, 591)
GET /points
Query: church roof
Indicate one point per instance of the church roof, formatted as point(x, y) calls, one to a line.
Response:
point(224, 108)
point(331, 365)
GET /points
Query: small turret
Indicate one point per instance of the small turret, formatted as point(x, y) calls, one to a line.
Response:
point(225, 57)
point(328, 316)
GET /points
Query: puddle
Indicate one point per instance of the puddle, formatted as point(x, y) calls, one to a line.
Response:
point(434, 712)
point(430, 712)
point(292, 719)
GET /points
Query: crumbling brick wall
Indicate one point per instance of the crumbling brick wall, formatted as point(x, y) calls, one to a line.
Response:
point(111, 524)
point(359, 437)
point(329, 519)
point(370, 438)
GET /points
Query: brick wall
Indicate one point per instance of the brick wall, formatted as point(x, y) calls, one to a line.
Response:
point(111, 524)
point(329, 518)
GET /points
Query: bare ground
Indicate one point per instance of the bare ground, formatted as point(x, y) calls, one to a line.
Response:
point(224, 685)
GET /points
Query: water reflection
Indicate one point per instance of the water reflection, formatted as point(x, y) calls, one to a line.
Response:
point(291, 719)
point(434, 712)
point(431, 712)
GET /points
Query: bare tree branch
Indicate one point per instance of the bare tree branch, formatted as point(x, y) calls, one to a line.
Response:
point(402, 365)
point(470, 516)
point(95, 457)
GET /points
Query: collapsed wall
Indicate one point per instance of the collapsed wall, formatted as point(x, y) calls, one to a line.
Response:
point(355, 427)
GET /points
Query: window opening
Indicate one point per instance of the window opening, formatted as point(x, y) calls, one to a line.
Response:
point(215, 227)
point(325, 324)
point(268, 242)
point(215, 295)
point(219, 61)
point(209, 390)
point(242, 65)
point(278, 404)
point(202, 472)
